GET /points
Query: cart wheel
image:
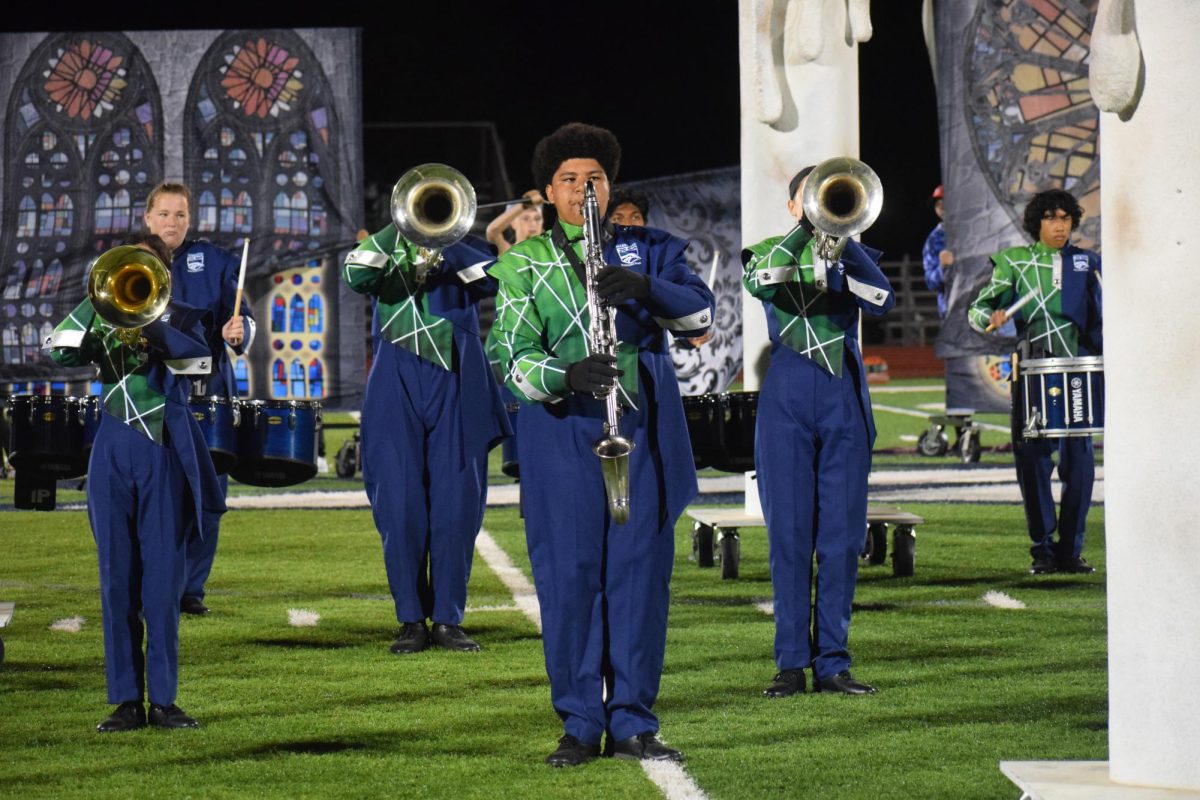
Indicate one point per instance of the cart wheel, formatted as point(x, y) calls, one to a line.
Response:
point(904, 551)
point(731, 554)
point(346, 460)
point(702, 544)
point(933, 442)
point(969, 448)
point(875, 552)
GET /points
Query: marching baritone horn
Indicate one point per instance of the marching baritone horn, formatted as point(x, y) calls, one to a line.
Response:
point(129, 288)
point(842, 197)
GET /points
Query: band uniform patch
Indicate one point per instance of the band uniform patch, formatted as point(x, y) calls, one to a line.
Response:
point(1079, 262)
point(195, 262)
point(628, 253)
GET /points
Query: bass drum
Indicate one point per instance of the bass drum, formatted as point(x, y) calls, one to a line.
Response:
point(277, 442)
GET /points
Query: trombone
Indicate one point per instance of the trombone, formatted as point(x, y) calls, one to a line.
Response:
point(129, 287)
point(842, 197)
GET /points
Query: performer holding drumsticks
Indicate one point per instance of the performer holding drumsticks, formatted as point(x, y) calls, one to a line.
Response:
point(815, 429)
point(1053, 291)
point(205, 276)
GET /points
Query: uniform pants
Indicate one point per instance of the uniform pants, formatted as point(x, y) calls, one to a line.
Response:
point(813, 454)
point(138, 498)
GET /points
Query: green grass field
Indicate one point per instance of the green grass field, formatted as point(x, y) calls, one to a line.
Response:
point(329, 712)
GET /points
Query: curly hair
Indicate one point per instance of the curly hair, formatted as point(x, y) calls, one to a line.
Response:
point(152, 241)
point(620, 197)
point(575, 140)
point(1048, 202)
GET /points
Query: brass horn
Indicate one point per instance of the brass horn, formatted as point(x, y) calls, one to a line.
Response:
point(433, 205)
point(842, 197)
point(129, 287)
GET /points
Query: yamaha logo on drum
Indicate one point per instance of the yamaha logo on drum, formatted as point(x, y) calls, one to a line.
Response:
point(1076, 399)
point(274, 420)
point(48, 416)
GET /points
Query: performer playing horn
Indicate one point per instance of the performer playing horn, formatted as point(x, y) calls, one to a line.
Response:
point(814, 436)
point(431, 410)
point(1061, 319)
point(205, 276)
point(602, 585)
point(149, 472)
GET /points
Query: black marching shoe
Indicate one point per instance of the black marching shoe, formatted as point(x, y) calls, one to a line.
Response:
point(413, 638)
point(645, 747)
point(1077, 565)
point(571, 752)
point(129, 716)
point(1043, 565)
point(171, 716)
point(453, 637)
point(190, 604)
point(787, 683)
point(842, 682)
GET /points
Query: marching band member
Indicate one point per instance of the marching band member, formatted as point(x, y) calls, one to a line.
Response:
point(1063, 320)
point(205, 276)
point(813, 443)
point(150, 482)
point(431, 412)
point(602, 586)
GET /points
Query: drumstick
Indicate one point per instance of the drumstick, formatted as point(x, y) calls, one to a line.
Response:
point(241, 278)
point(1008, 312)
point(712, 273)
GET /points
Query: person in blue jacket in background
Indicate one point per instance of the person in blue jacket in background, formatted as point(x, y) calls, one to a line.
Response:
point(205, 276)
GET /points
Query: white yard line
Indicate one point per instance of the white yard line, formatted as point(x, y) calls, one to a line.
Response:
point(671, 779)
point(908, 412)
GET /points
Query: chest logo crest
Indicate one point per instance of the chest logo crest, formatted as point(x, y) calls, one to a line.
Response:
point(629, 255)
point(195, 262)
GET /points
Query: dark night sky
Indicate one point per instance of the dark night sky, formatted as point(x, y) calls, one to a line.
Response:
point(664, 80)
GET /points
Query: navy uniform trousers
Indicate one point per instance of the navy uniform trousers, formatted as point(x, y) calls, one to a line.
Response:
point(1076, 470)
point(427, 484)
point(138, 503)
point(812, 453)
point(603, 588)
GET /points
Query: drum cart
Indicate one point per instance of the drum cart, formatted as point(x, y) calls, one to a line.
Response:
point(715, 537)
point(934, 442)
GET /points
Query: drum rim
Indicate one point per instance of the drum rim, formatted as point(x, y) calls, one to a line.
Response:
point(1066, 433)
point(1038, 366)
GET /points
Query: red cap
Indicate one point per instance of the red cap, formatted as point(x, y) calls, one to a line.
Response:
point(938, 193)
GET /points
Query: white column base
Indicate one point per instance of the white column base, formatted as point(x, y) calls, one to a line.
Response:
point(1080, 780)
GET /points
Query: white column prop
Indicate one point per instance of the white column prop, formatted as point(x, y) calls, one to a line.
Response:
point(1150, 196)
point(799, 89)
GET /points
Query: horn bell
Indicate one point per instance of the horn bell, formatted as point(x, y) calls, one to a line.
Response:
point(129, 287)
point(433, 205)
point(842, 197)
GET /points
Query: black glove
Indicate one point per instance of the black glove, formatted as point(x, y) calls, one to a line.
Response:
point(594, 374)
point(618, 284)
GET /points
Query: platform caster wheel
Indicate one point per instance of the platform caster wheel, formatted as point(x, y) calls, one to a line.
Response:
point(933, 442)
point(731, 554)
point(875, 549)
point(904, 551)
point(702, 545)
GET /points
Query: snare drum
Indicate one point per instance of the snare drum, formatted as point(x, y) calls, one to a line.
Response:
point(739, 415)
point(705, 420)
point(277, 442)
point(219, 419)
point(1063, 396)
point(47, 435)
